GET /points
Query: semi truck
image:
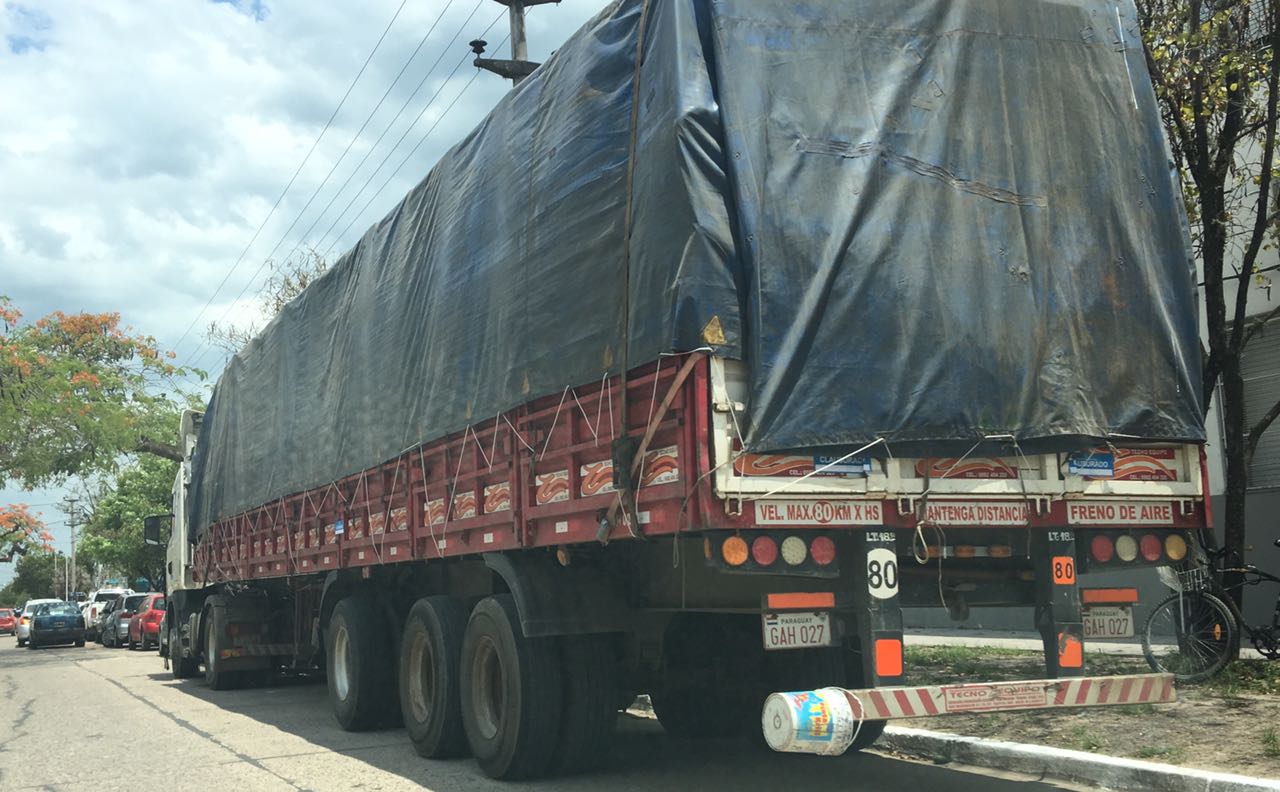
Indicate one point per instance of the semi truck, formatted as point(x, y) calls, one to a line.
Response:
point(735, 330)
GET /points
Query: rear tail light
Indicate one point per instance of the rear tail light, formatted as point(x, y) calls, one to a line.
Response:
point(1001, 551)
point(966, 551)
point(1126, 548)
point(764, 550)
point(1150, 547)
point(822, 550)
point(793, 550)
point(734, 551)
point(1102, 548)
point(1175, 547)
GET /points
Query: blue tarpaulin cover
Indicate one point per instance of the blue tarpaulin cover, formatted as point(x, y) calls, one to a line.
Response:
point(928, 221)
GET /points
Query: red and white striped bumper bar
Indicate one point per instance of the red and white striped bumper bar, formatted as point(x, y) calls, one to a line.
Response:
point(825, 721)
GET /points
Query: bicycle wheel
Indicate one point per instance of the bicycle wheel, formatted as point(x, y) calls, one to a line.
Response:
point(1190, 635)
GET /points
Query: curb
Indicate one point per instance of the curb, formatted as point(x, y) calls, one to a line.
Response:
point(1109, 772)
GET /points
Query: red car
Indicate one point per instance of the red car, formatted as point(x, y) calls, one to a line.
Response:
point(8, 622)
point(144, 626)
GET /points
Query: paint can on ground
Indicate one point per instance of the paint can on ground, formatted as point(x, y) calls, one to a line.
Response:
point(809, 721)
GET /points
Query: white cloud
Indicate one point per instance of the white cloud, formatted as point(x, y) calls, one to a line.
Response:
point(144, 140)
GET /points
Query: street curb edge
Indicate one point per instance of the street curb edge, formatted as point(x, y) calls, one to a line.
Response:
point(1107, 771)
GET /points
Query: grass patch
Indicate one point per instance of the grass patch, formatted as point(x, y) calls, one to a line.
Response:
point(1246, 678)
point(1168, 753)
point(1138, 710)
point(1085, 739)
point(1271, 743)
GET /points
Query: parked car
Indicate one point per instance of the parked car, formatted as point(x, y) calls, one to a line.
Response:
point(24, 621)
point(144, 627)
point(115, 624)
point(8, 621)
point(94, 606)
point(56, 623)
point(163, 641)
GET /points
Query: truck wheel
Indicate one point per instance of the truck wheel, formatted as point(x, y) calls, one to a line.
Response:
point(214, 676)
point(511, 692)
point(359, 664)
point(181, 667)
point(714, 678)
point(429, 677)
point(590, 703)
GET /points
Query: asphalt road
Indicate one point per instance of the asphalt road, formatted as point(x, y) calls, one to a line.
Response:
point(108, 719)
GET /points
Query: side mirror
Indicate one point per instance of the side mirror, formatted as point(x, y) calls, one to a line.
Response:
point(152, 526)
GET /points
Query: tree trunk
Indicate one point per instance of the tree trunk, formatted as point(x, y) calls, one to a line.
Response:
point(1237, 474)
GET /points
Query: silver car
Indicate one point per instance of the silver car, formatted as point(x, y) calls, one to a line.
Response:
point(24, 621)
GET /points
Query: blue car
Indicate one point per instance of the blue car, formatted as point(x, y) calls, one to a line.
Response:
point(56, 623)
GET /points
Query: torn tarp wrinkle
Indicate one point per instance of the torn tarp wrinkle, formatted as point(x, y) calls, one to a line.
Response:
point(935, 223)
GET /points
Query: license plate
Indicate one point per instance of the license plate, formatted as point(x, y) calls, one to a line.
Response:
point(796, 630)
point(1109, 621)
point(59, 625)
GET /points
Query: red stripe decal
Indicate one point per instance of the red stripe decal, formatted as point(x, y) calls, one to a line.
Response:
point(877, 701)
point(1061, 698)
point(1167, 690)
point(1084, 691)
point(1104, 691)
point(904, 702)
point(927, 701)
point(1146, 690)
point(1124, 691)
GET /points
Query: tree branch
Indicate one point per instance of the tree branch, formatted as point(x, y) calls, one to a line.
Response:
point(1238, 338)
point(149, 446)
point(1255, 434)
point(1257, 325)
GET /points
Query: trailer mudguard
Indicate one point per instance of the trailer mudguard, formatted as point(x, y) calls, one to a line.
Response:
point(560, 600)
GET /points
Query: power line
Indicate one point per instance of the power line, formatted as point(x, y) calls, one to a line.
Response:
point(407, 130)
point(293, 178)
point(403, 162)
point(369, 181)
point(359, 132)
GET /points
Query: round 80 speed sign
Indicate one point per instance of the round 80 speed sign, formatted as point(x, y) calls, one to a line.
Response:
point(882, 573)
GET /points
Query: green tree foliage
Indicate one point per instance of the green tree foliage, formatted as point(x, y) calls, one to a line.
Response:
point(1215, 65)
point(78, 391)
point(33, 579)
point(113, 535)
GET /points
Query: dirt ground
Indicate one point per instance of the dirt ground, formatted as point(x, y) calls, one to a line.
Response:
point(1231, 724)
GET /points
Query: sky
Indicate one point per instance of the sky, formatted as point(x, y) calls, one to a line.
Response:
point(145, 141)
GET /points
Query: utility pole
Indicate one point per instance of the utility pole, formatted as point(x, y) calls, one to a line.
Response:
point(72, 510)
point(519, 66)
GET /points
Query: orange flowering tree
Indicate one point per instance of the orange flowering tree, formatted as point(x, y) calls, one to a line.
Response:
point(78, 392)
point(21, 531)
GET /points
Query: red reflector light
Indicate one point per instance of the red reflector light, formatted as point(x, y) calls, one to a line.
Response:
point(888, 657)
point(1150, 546)
point(764, 550)
point(822, 550)
point(1102, 548)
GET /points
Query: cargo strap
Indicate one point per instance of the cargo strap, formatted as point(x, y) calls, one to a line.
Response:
point(654, 422)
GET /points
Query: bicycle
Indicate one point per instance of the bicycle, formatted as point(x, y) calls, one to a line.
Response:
point(1192, 633)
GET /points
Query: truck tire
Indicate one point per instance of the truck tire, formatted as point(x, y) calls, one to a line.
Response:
point(590, 703)
point(214, 628)
point(181, 667)
point(511, 692)
point(715, 677)
point(430, 698)
point(359, 664)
